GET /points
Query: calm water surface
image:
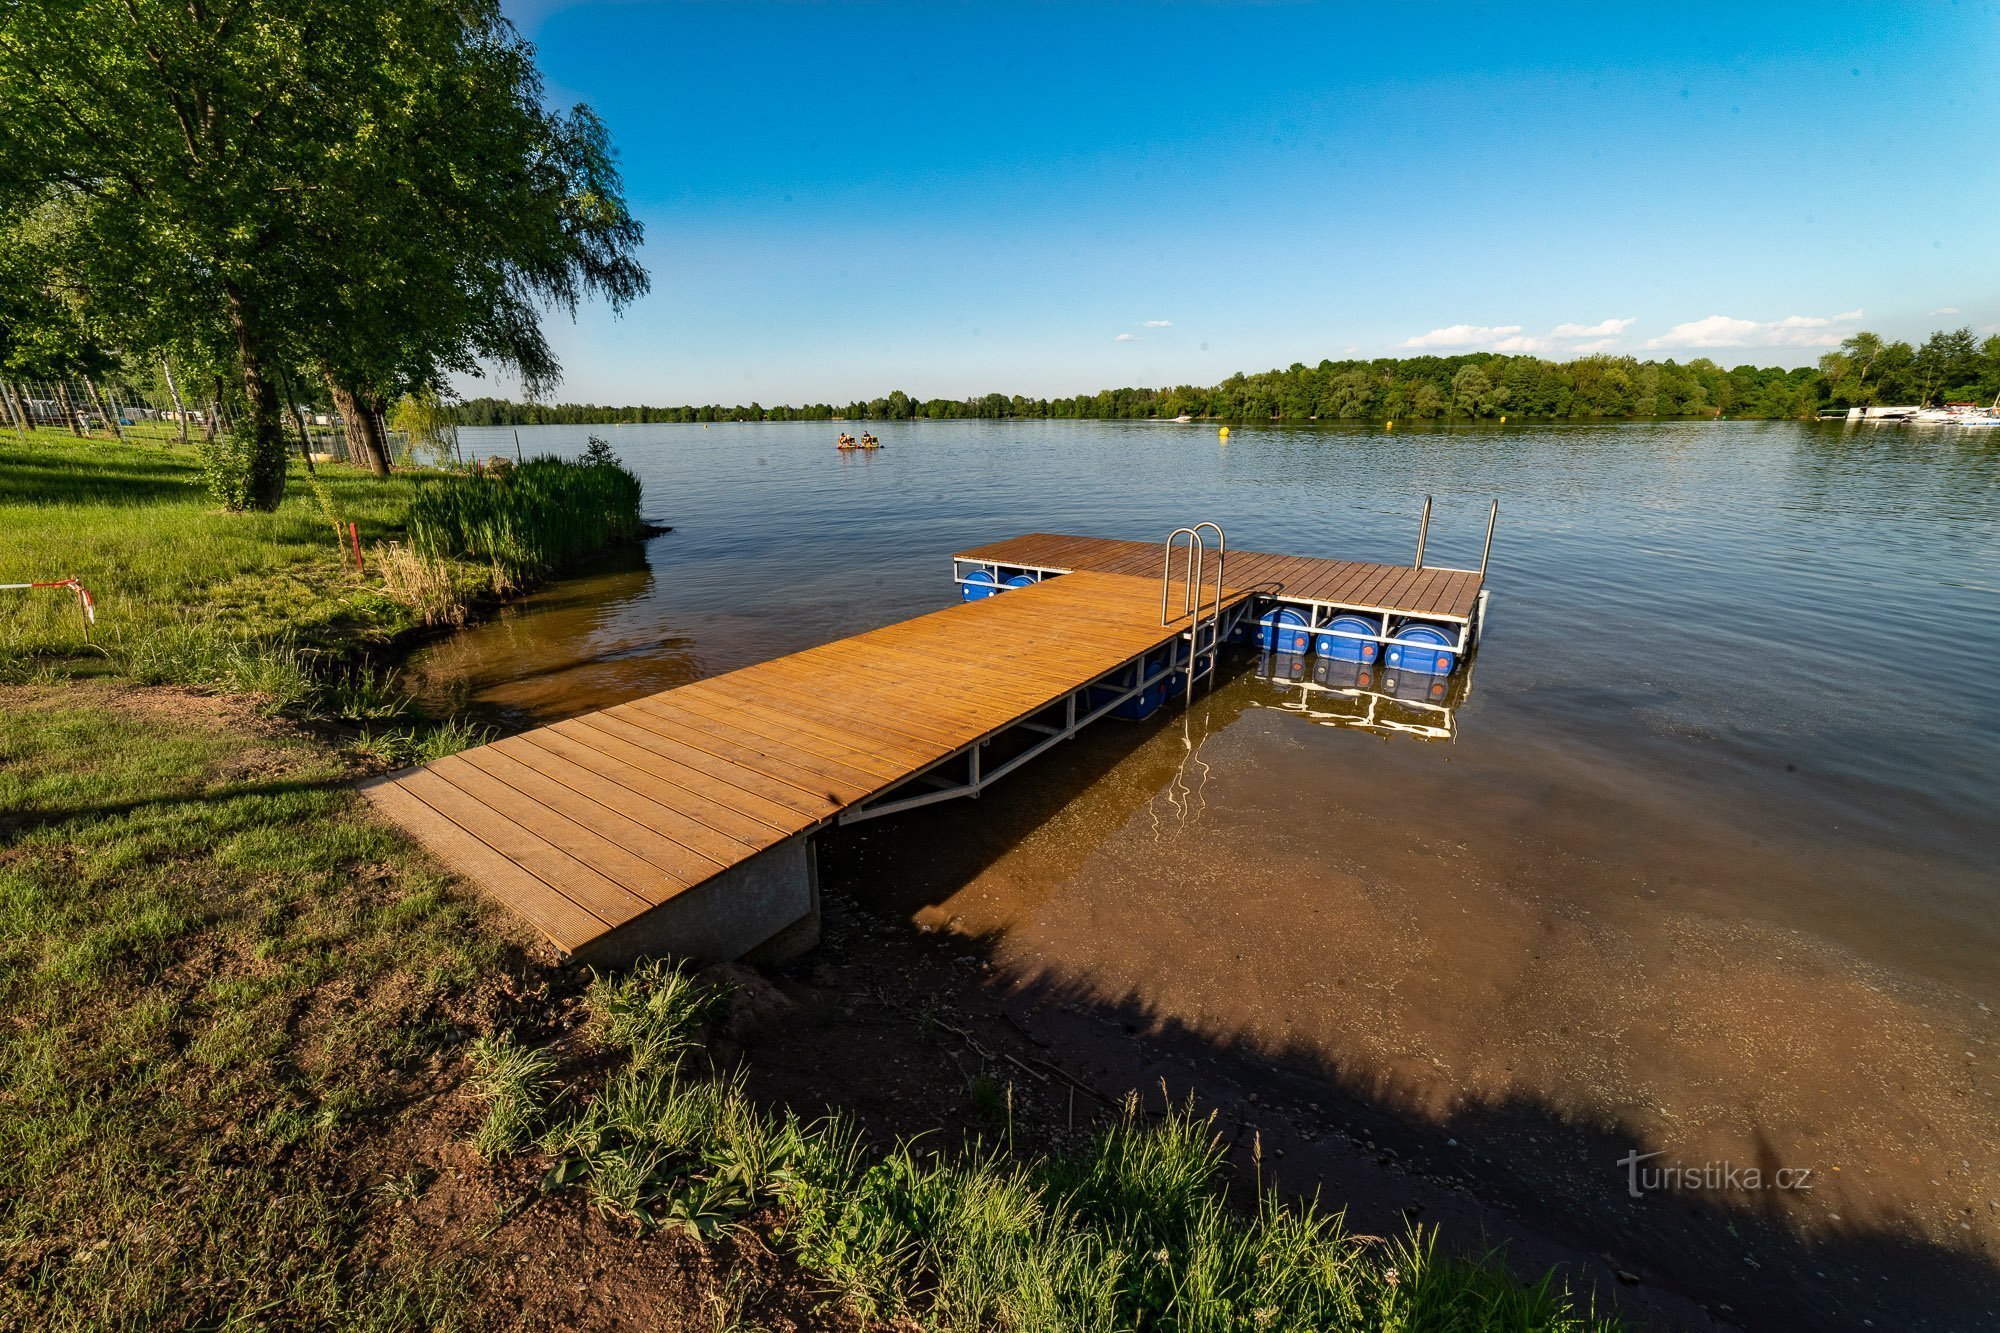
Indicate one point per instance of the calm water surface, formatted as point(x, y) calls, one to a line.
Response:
point(1710, 857)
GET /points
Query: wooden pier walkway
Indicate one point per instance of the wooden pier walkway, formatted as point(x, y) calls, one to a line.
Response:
point(679, 821)
point(1399, 590)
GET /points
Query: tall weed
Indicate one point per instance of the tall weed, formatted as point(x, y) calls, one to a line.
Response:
point(529, 520)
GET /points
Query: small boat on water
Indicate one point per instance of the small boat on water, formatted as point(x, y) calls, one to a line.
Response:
point(848, 444)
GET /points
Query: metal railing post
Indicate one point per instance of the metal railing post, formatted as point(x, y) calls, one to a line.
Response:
point(1190, 569)
point(1492, 518)
point(1423, 531)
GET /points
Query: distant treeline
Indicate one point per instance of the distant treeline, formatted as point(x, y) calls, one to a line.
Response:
point(1950, 366)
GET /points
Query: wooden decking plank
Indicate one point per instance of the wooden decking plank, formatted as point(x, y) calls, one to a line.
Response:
point(544, 906)
point(624, 852)
point(810, 734)
point(779, 750)
point(637, 769)
point(601, 897)
point(747, 695)
point(880, 711)
point(780, 765)
point(812, 804)
point(671, 838)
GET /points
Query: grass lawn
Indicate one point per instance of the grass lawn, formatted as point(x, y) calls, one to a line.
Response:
point(136, 525)
point(215, 971)
point(238, 1015)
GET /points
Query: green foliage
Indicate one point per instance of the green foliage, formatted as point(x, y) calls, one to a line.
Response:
point(374, 189)
point(653, 1012)
point(226, 465)
point(516, 1083)
point(428, 426)
point(527, 521)
point(1477, 386)
point(1136, 1232)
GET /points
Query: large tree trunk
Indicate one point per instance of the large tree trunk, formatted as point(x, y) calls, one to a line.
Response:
point(364, 443)
point(264, 486)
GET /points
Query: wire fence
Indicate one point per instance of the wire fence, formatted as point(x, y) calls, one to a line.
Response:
point(111, 409)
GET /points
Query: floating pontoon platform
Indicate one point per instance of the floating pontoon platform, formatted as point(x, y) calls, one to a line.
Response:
point(681, 822)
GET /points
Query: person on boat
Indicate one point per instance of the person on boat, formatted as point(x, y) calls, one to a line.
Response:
point(844, 441)
point(869, 441)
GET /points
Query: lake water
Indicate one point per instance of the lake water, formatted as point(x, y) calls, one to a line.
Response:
point(1709, 858)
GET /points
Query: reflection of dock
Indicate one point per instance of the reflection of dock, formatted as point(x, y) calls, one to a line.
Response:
point(1364, 697)
point(681, 822)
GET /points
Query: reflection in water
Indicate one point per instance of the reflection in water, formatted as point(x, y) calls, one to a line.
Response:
point(558, 652)
point(1368, 696)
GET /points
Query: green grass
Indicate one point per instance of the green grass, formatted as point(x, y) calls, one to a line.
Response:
point(1137, 1232)
point(136, 524)
point(213, 970)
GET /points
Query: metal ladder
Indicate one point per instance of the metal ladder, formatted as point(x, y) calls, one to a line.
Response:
point(1191, 574)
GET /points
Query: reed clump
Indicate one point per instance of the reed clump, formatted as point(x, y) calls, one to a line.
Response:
point(528, 521)
point(425, 584)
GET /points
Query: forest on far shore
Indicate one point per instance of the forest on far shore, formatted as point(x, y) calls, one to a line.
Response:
point(1949, 366)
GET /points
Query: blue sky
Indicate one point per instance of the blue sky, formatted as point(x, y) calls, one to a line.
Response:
point(843, 199)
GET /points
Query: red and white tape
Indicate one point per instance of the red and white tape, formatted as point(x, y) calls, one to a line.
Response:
point(82, 594)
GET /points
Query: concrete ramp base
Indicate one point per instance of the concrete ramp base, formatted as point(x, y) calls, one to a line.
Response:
point(765, 909)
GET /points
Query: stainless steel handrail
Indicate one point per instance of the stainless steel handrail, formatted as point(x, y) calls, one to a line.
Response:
point(1221, 554)
point(1191, 571)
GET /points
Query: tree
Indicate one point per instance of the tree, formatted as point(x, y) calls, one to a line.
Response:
point(1475, 395)
point(1862, 351)
point(372, 185)
point(1946, 359)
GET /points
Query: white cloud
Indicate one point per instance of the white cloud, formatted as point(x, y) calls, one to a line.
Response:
point(1563, 338)
point(1462, 335)
point(1729, 331)
point(1157, 324)
point(1945, 310)
point(1126, 338)
point(1604, 328)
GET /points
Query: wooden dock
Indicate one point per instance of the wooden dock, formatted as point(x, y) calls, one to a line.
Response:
point(679, 822)
point(1448, 595)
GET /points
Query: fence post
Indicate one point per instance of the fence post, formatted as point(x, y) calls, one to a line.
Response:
point(180, 408)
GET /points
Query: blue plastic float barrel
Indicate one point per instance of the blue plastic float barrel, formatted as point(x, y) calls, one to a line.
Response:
point(1332, 643)
point(1019, 581)
point(979, 583)
point(1283, 631)
point(1417, 646)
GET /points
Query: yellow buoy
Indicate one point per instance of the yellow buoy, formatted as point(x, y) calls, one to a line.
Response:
point(1222, 434)
point(1388, 425)
point(1503, 421)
